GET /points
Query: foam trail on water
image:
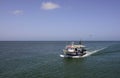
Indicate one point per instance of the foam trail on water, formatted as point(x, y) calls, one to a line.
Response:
point(92, 52)
point(88, 53)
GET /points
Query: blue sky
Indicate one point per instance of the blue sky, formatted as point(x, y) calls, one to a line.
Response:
point(59, 20)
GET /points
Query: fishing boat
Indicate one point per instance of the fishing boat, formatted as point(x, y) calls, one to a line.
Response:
point(74, 51)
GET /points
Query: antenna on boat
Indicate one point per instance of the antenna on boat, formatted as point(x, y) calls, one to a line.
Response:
point(80, 42)
point(72, 43)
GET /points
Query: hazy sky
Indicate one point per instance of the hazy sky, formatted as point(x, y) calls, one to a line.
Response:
point(59, 19)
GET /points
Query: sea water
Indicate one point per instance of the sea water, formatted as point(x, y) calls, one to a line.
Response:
point(40, 59)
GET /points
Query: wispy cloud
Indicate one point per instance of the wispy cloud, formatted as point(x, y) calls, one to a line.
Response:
point(17, 12)
point(49, 6)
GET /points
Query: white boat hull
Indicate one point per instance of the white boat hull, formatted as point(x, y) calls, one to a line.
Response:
point(67, 56)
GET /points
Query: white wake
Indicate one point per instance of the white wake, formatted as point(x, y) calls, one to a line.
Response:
point(88, 53)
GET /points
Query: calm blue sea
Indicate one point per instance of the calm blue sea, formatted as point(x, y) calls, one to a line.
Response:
point(40, 59)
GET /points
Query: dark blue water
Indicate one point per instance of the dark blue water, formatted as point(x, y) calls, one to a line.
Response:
point(39, 59)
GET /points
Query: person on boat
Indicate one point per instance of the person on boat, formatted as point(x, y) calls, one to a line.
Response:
point(76, 51)
point(83, 51)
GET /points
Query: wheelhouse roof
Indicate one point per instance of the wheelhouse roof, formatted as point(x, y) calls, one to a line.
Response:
point(75, 46)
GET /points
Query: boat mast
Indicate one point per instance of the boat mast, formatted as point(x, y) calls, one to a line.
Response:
point(80, 42)
point(72, 43)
